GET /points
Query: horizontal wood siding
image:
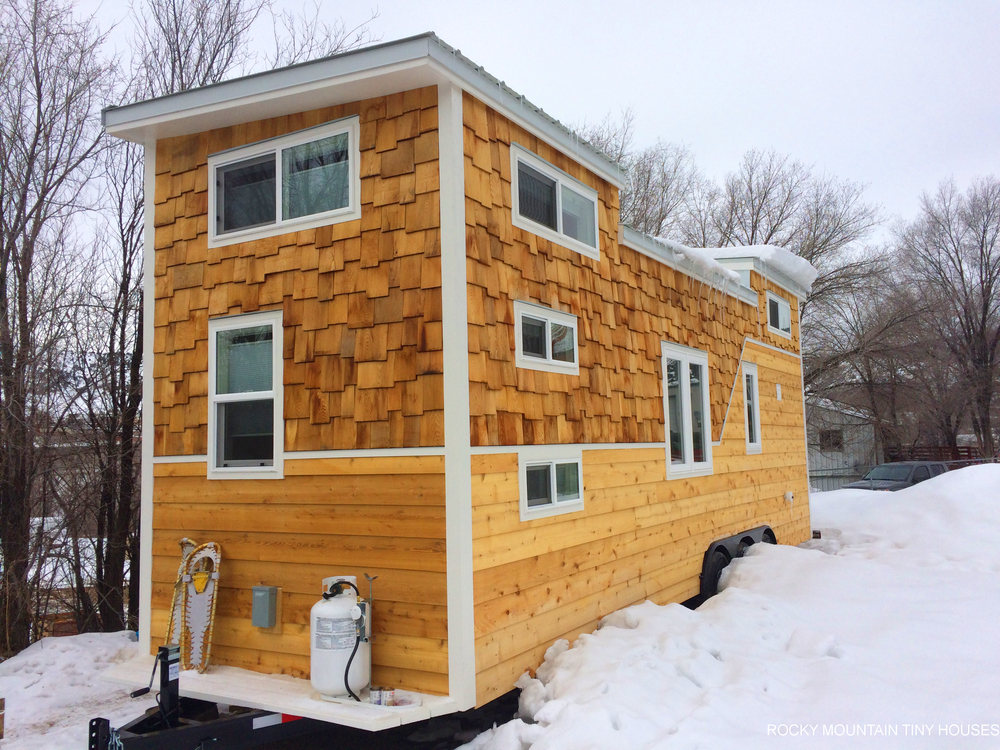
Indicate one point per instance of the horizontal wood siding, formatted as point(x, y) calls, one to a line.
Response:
point(384, 517)
point(639, 537)
point(361, 300)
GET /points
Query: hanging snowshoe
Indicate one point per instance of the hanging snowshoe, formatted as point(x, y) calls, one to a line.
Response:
point(201, 584)
point(174, 625)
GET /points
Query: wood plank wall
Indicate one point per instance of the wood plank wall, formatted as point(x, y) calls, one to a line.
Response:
point(639, 536)
point(382, 516)
point(361, 299)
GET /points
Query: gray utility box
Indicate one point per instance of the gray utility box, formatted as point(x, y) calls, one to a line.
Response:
point(265, 606)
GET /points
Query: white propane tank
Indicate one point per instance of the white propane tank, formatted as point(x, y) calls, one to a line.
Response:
point(333, 633)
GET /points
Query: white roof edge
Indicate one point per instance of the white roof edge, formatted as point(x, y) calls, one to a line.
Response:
point(132, 121)
point(769, 272)
point(660, 251)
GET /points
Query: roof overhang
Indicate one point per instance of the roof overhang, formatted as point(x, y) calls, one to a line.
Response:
point(770, 273)
point(379, 70)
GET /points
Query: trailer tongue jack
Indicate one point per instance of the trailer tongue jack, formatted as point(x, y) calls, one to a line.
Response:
point(181, 723)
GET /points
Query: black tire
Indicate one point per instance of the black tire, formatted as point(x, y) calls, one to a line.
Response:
point(768, 537)
point(716, 565)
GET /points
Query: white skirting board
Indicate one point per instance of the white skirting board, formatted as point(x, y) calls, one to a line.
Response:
point(282, 694)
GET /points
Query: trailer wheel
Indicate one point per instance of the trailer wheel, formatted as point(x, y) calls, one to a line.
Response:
point(716, 565)
point(768, 537)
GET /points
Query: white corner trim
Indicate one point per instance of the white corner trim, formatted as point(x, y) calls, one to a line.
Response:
point(457, 432)
point(148, 432)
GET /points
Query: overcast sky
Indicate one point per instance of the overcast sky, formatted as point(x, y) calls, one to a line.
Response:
point(898, 95)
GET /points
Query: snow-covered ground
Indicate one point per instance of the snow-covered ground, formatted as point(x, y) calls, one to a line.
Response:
point(53, 689)
point(884, 634)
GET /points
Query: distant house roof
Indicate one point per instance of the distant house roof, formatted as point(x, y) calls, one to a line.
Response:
point(380, 69)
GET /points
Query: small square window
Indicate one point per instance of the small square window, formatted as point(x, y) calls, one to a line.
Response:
point(831, 440)
point(545, 339)
point(550, 203)
point(779, 315)
point(550, 486)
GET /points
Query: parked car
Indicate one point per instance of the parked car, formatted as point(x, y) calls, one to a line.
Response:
point(897, 476)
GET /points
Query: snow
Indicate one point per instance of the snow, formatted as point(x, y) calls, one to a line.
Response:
point(796, 268)
point(53, 690)
point(881, 634)
point(700, 258)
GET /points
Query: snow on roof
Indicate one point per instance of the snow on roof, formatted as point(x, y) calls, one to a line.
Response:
point(796, 268)
point(700, 258)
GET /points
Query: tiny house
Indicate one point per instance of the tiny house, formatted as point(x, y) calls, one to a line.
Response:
point(393, 326)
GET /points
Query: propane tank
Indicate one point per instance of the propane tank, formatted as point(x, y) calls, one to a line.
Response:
point(334, 625)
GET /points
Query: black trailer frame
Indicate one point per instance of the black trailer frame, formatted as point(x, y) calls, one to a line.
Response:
point(190, 724)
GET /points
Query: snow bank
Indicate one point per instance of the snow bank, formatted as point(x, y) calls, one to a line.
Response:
point(796, 268)
point(882, 635)
point(53, 690)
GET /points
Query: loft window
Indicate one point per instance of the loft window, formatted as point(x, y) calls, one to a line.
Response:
point(545, 339)
point(299, 181)
point(751, 400)
point(245, 412)
point(551, 483)
point(551, 204)
point(686, 411)
point(779, 315)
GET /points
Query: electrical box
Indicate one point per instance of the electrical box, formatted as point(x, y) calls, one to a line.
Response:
point(265, 606)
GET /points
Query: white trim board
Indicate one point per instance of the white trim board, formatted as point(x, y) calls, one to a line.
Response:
point(531, 451)
point(148, 431)
point(457, 431)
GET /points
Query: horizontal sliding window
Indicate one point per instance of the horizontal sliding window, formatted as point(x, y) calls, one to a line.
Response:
point(551, 485)
point(550, 203)
point(545, 339)
point(299, 181)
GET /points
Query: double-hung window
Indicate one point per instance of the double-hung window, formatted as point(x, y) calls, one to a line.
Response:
point(245, 424)
point(751, 400)
point(545, 339)
point(686, 411)
point(551, 482)
point(298, 181)
point(779, 315)
point(548, 202)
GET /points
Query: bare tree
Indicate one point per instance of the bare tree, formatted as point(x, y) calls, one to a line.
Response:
point(54, 81)
point(308, 36)
point(953, 248)
point(658, 178)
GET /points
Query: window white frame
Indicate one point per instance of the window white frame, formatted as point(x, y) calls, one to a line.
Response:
point(687, 357)
point(783, 304)
point(235, 322)
point(352, 210)
point(548, 316)
point(562, 180)
point(549, 455)
point(751, 397)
